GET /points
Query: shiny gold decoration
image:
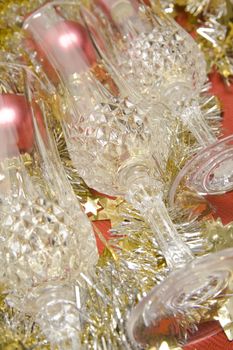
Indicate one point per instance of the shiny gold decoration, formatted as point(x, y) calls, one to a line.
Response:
point(214, 21)
point(109, 250)
point(111, 210)
point(118, 284)
point(16, 333)
point(165, 346)
point(91, 206)
point(225, 318)
point(12, 13)
point(216, 41)
point(217, 235)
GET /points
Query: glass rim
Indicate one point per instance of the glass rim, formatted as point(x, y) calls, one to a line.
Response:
point(35, 14)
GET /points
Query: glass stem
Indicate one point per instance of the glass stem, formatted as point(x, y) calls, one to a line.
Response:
point(55, 310)
point(198, 126)
point(144, 192)
point(175, 251)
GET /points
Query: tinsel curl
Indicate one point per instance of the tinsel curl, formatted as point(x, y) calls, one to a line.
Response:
point(132, 262)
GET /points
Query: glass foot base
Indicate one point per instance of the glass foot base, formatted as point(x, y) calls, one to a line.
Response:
point(209, 172)
point(188, 297)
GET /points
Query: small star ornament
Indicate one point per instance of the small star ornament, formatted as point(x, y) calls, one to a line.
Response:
point(92, 206)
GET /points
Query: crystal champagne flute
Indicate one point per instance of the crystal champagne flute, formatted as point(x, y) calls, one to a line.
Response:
point(109, 140)
point(181, 72)
point(193, 293)
point(46, 239)
point(156, 57)
point(161, 62)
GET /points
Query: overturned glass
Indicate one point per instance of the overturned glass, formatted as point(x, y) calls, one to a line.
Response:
point(161, 62)
point(47, 241)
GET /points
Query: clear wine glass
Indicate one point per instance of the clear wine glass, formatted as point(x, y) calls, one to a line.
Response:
point(161, 118)
point(210, 172)
point(194, 292)
point(109, 140)
point(158, 59)
point(46, 239)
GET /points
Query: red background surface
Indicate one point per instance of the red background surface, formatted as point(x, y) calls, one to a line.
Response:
point(210, 336)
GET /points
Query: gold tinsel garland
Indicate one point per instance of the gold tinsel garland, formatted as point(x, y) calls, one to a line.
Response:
point(115, 288)
point(214, 22)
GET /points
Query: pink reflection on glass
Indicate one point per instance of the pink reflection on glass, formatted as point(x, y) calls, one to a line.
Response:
point(63, 46)
point(69, 39)
point(7, 115)
point(16, 118)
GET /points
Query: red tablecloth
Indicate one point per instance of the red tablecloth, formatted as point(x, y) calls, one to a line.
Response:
point(210, 337)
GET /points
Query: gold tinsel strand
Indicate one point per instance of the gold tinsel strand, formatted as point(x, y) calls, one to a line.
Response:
point(214, 20)
point(16, 333)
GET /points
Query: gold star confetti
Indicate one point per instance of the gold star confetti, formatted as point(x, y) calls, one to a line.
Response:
point(225, 318)
point(92, 206)
point(213, 20)
point(165, 346)
point(217, 235)
point(111, 210)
